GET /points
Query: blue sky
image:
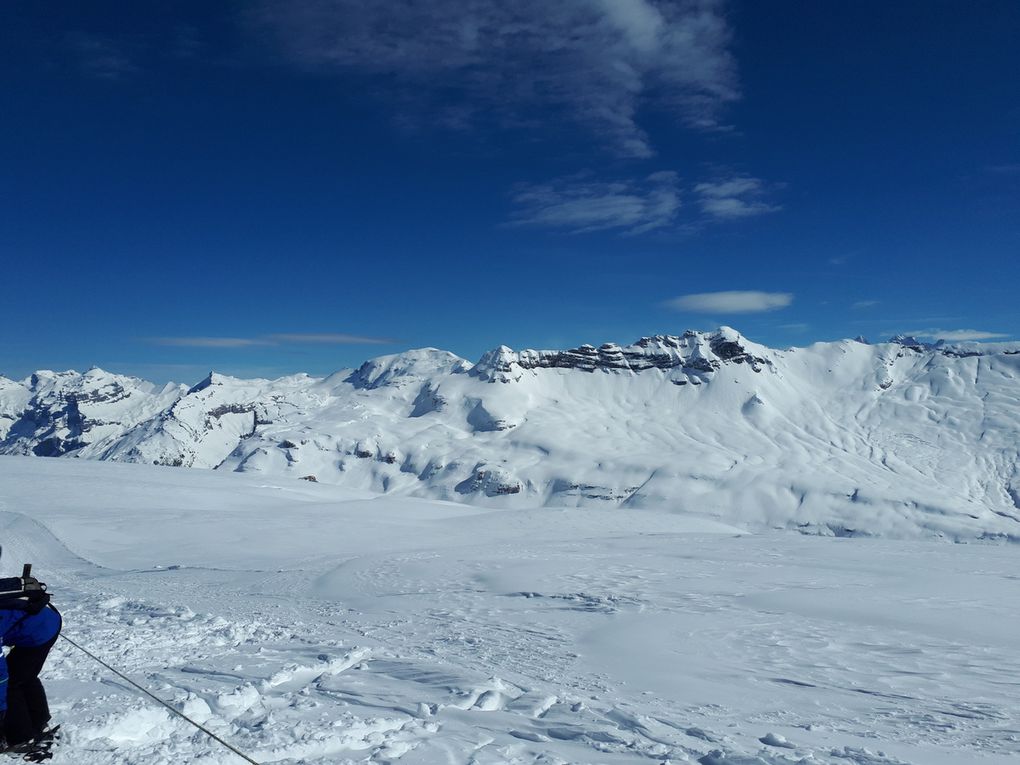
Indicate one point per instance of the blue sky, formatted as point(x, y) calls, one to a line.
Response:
point(261, 188)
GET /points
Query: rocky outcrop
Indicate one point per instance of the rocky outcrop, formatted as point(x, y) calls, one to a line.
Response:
point(963, 350)
point(694, 352)
point(52, 414)
point(490, 481)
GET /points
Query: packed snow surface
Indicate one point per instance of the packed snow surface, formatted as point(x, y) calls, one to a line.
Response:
point(309, 623)
point(897, 439)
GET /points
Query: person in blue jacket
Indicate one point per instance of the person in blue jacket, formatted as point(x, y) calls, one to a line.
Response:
point(24, 709)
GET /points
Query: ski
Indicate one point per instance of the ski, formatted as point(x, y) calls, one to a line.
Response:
point(39, 749)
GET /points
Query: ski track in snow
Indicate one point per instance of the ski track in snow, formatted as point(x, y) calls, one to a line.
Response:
point(460, 636)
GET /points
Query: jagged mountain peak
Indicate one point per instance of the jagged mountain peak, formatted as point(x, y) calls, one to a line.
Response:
point(956, 349)
point(212, 379)
point(697, 352)
point(72, 379)
point(911, 342)
point(55, 413)
point(47, 377)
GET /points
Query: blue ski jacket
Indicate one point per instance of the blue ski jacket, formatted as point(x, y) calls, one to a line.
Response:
point(21, 629)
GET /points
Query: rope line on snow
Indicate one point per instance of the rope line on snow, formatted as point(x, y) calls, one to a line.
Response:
point(154, 697)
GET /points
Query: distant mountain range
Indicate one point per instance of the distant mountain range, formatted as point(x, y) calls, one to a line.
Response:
point(845, 438)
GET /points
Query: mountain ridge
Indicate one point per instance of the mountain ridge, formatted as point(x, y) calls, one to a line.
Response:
point(842, 438)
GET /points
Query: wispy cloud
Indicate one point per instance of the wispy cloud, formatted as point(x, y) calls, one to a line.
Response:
point(580, 204)
point(956, 335)
point(132, 54)
point(1006, 169)
point(860, 305)
point(734, 301)
point(275, 339)
point(330, 339)
point(210, 342)
point(102, 57)
point(738, 197)
point(597, 61)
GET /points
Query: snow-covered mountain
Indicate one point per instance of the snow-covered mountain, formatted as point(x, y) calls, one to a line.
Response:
point(54, 413)
point(845, 438)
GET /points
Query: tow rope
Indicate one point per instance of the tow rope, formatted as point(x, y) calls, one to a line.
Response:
point(28, 594)
point(157, 699)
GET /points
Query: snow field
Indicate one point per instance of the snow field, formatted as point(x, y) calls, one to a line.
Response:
point(306, 624)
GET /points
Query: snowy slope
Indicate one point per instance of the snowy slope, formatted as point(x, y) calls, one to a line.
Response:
point(309, 624)
point(846, 438)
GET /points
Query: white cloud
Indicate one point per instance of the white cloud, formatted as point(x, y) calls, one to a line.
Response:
point(862, 304)
point(329, 339)
point(1008, 169)
point(735, 301)
point(738, 197)
point(597, 60)
point(210, 342)
point(956, 335)
point(103, 57)
point(733, 187)
point(580, 205)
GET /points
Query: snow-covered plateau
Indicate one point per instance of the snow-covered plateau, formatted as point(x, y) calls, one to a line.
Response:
point(310, 623)
point(898, 439)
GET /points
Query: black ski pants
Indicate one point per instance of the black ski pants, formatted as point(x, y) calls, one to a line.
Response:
point(27, 708)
